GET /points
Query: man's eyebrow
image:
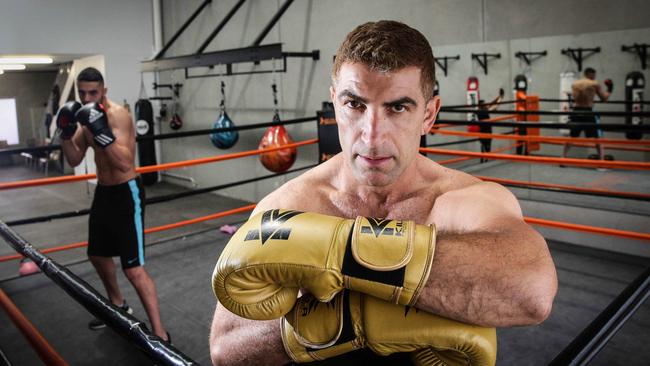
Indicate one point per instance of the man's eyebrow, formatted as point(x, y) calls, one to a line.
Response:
point(346, 93)
point(401, 101)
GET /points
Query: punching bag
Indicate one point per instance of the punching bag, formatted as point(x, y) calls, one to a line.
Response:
point(226, 139)
point(634, 85)
point(566, 97)
point(281, 160)
point(472, 100)
point(146, 148)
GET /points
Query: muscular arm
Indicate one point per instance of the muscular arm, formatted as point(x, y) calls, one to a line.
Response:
point(602, 94)
point(75, 148)
point(490, 267)
point(238, 341)
point(121, 153)
point(262, 338)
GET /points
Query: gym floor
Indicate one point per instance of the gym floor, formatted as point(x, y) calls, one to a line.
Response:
point(181, 262)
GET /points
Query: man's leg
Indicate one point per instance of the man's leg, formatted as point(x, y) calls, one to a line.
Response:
point(146, 289)
point(107, 273)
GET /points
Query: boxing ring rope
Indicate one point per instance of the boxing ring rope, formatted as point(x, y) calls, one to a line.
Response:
point(567, 188)
point(164, 136)
point(588, 229)
point(550, 100)
point(45, 351)
point(630, 165)
point(456, 160)
point(153, 168)
point(595, 336)
point(125, 324)
point(554, 113)
point(156, 229)
point(159, 199)
point(546, 139)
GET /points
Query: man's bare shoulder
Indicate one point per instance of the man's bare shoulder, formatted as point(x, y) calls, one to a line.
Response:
point(446, 179)
point(118, 114)
point(307, 192)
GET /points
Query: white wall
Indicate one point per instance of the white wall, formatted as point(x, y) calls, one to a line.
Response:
point(121, 30)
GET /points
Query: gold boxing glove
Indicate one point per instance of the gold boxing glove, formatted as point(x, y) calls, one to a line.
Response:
point(277, 252)
point(316, 331)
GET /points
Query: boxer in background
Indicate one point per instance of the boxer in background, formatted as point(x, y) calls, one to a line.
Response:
point(584, 91)
point(116, 222)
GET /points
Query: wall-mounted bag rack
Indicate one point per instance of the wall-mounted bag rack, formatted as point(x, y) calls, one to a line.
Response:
point(254, 53)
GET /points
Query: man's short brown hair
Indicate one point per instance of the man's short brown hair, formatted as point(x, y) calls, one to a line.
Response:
point(386, 46)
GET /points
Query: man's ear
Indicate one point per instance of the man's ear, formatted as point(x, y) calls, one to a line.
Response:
point(430, 114)
point(332, 93)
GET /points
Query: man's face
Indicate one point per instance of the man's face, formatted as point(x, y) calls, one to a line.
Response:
point(91, 91)
point(590, 75)
point(380, 116)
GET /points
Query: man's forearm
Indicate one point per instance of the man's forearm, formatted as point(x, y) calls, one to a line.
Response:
point(72, 153)
point(239, 341)
point(491, 279)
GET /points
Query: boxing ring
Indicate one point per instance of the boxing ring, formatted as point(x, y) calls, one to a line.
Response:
point(184, 241)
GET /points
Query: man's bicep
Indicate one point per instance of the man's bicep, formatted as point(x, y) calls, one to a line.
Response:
point(482, 207)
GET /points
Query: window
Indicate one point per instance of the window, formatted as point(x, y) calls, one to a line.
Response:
point(8, 121)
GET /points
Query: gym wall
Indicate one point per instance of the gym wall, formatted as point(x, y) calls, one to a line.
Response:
point(452, 27)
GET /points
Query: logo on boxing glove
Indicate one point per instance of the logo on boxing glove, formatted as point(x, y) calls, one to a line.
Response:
point(94, 115)
point(379, 227)
point(271, 226)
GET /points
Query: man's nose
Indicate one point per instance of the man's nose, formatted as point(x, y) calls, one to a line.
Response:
point(374, 125)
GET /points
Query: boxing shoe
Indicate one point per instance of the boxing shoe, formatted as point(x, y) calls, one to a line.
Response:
point(97, 324)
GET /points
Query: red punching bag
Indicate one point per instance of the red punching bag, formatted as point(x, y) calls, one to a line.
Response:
point(280, 160)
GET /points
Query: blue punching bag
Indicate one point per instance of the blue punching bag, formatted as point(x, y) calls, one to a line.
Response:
point(226, 139)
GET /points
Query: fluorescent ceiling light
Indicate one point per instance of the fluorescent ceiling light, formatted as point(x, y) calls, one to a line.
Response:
point(25, 60)
point(12, 67)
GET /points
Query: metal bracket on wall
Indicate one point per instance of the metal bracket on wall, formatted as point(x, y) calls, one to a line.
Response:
point(641, 50)
point(175, 88)
point(443, 65)
point(482, 59)
point(254, 53)
point(579, 54)
point(529, 57)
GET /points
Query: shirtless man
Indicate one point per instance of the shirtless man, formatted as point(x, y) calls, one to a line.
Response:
point(116, 222)
point(490, 268)
point(584, 91)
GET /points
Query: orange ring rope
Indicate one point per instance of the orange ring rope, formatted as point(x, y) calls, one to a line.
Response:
point(546, 139)
point(633, 165)
point(152, 168)
point(588, 229)
point(606, 146)
point(456, 160)
point(45, 351)
point(146, 231)
point(562, 186)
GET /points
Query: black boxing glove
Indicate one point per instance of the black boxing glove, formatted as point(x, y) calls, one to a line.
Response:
point(93, 116)
point(66, 119)
point(609, 85)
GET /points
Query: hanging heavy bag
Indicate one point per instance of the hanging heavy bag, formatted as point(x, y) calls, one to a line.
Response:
point(634, 85)
point(146, 148)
